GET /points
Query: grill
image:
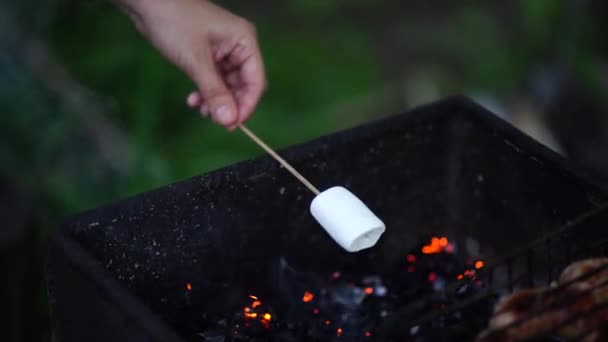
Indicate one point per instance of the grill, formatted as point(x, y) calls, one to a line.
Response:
point(474, 210)
point(536, 264)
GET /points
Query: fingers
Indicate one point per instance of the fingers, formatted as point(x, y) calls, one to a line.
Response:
point(194, 99)
point(231, 87)
point(252, 78)
point(215, 96)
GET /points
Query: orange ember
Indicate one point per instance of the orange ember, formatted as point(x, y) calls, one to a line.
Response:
point(437, 245)
point(339, 331)
point(369, 290)
point(251, 315)
point(328, 322)
point(256, 303)
point(411, 258)
point(253, 297)
point(308, 297)
point(478, 264)
point(460, 276)
point(469, 273)
point(449, 248)
point(188, 286)
point(267, 317)
point(368, 334)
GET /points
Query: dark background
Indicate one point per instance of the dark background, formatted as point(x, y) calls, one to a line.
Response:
point(91, 113)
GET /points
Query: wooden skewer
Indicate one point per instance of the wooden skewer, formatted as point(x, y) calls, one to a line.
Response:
point(278, 158)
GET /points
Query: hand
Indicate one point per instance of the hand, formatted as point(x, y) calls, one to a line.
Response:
point(218, 50)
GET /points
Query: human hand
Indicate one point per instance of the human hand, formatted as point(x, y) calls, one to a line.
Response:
point(215, 48)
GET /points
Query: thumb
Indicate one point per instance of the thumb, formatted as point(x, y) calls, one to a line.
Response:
point(214, 92)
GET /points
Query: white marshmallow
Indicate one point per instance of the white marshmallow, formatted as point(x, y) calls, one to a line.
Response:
point(347, 220)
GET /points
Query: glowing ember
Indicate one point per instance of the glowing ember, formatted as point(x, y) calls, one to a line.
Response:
point(325, 300)
point(188, 286)
point(308, 297)
point(437, 245)
point(411, 258)
point(449, 248)
point(251, 315)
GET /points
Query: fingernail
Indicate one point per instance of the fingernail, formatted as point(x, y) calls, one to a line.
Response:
point(223, 115)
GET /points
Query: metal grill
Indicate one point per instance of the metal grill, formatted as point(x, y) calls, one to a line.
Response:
point(535, 265)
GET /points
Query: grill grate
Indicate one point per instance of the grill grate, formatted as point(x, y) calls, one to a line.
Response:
point(537, 264)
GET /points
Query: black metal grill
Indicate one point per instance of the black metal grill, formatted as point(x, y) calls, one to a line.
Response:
point(180, 263)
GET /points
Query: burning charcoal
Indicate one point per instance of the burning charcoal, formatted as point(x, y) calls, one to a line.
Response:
point(346, 306)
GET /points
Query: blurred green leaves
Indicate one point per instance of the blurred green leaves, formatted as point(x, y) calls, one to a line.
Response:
point(318, 58)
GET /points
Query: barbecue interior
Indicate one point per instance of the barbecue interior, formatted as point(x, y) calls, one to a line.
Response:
point(197, 251)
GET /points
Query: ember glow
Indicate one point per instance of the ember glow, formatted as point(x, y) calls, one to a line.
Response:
point(251, 312)
point(438, 245)
point(308, 297)
point(411, 258)
point(341, 306)
point(188, 286)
